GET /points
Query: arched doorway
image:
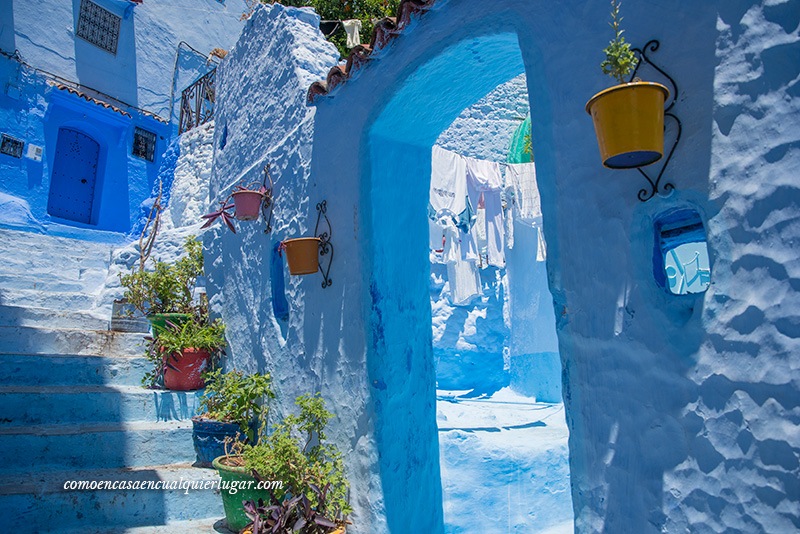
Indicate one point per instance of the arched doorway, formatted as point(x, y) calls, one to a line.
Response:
point(400, 355)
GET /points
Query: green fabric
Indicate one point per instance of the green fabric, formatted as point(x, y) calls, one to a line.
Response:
point(516, 149)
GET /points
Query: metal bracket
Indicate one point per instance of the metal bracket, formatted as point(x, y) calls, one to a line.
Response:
point(325, 245)
point(646, 194)
point(268, 201)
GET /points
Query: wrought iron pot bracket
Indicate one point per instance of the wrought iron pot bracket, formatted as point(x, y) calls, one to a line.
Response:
point(325, 245)
point(646, 194)
point(268, 200)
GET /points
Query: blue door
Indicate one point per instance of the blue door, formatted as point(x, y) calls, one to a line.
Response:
point(74, 176)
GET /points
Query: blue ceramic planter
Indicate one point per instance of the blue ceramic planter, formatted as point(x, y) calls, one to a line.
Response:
point(209, 439)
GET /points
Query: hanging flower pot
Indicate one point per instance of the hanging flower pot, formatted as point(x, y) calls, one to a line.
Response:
point(629, 123)
point(247, 204)
point(248, 201)
point(302, 254)
point(629, 117)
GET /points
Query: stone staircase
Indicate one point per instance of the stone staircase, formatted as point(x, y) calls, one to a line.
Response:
point(73, 408)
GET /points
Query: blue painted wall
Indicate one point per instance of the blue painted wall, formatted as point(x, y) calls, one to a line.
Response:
point(161, 49)
point(682, 409)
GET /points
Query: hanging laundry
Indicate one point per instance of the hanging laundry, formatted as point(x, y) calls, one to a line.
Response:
point(484, 179)
point(508, 212)
point(448, 181)
point(465, 282)
point(526, 191)
point(541, 249)
point(352, 27)
point(527, 204)
point(448, 193)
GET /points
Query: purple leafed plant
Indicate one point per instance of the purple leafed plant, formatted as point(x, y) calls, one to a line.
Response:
point(293, 515)
point(224, 213)
point(227, 218)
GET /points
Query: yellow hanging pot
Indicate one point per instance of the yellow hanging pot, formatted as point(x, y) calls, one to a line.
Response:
point(629, 123)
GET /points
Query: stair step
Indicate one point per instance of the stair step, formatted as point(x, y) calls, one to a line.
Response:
point(212, 525)
point(66, 370)
point(50, 318)
point(83, 446)
point(90, 282)
point(35, 340)
point(56, 300)
point(39, 499)
point(17, 243)
point(40, 405)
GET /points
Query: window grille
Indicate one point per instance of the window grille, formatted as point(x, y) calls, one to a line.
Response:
point(11, 146)
point(144, 144)
point(98, 26)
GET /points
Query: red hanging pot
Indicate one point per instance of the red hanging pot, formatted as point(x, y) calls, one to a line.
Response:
point(247, 204)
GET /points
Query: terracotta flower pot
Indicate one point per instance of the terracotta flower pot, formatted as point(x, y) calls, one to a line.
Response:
point(302, 255)
point(629, 123)
point(247, 204)
point(189, 367)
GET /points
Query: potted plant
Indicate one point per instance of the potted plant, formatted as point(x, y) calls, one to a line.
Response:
point(248, 201)
point(166, 292)
point(296, 514)
point(291, 465)
point(229, 408)
point(182, 352)
point(629, 117)
point(302, 254)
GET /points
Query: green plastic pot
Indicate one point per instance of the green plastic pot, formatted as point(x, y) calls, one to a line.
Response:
point(232, 499)
point(158, 321)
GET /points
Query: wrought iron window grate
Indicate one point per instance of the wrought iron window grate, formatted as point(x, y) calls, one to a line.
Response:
point(98, 26)
point(144, 144)
point(11, 146)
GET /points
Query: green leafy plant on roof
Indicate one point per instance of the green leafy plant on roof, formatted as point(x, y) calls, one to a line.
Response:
point(367, 11)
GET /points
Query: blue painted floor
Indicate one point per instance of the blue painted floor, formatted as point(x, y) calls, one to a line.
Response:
point(504, 463)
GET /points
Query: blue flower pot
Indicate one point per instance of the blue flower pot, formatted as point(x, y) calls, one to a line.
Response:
point(209, 439)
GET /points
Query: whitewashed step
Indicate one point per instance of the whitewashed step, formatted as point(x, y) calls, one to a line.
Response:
point(35, 340)
point(39, 500)
point(84, 282)
point(50, 318)
point(14, 243)
point(67, 301)
point(71, 370)
point(51, 405)
point(212, 525)
point(88, 445)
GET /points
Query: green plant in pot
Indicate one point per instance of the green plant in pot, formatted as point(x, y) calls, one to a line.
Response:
point(166, 292)
point(233, 406)
point(308, 468)
point(629, 117)
point(184, 351)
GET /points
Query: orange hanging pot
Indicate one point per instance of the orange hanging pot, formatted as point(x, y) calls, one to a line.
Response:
point(629, 123)
point(302, 254)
